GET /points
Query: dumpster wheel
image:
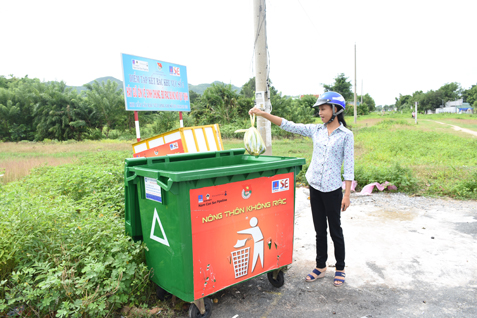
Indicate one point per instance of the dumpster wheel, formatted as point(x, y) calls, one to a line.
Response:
point(194, 311)
point(279, 281)
point(162, 294)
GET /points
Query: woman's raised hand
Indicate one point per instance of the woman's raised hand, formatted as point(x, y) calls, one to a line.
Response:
point(255, 111)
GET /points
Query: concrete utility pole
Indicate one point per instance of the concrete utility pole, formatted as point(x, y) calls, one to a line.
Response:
point(262, 96)
point(355, 99)
point(361, 91)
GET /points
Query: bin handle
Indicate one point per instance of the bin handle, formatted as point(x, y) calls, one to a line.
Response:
point(163, 185)
point(151, 174)
point(131, 177)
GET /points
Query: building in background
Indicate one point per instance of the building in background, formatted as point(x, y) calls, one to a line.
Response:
point(457, 106)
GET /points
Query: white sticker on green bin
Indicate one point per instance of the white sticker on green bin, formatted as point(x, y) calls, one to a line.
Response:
point(156, 238)
point(153, 190)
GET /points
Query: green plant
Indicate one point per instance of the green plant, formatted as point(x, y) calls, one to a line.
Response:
point(466, 188)
point(397, 175)
point(63, 248)
point(164, 122)
point(387, 123)
point(300, 178)
point(114, 134)
point(93, 134)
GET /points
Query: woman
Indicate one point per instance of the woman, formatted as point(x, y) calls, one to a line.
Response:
point(333, 146)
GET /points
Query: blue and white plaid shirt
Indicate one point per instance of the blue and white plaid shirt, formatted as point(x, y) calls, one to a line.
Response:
point(329, 153)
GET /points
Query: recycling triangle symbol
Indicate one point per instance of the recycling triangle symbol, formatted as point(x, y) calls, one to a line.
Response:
point(155, 220)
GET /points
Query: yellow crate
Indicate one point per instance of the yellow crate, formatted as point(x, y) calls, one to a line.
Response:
point(182, 140)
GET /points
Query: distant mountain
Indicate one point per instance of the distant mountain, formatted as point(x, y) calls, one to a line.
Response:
point(199, 89)
point(100, 80)
point(106, 78)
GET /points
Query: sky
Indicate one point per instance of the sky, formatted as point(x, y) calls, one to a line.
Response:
point(401, 46)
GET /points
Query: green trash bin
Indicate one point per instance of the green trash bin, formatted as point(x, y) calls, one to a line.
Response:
point(213, 219)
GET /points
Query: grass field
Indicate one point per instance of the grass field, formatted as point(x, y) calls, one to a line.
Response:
point(437, 159)
point(440, 160)
point(63, 250)
point(17, 159)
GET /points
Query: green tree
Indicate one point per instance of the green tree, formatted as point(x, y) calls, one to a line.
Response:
point(165, 121)
point(108, 101)
point(193, 97)
point(3, 82)
point(308, 101)
point(470, 95)
point(450, 91)
point(248, 89)
point(8, 112)
point(342, 86)
point(369, 101)
point(363, 109)
point(18, 101)
point(218, 104)
point(243, 106)
point(427, 101)
point(403, 102)
point(8, 125)
point(84, 118)
point(53, 111)
point(296, 110)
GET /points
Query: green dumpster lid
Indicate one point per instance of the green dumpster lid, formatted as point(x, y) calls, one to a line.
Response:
point(185, 167)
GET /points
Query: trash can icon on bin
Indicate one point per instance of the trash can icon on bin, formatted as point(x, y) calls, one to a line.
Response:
point(240, 259)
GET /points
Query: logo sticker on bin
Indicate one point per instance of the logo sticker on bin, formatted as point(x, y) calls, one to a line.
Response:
point(246, 191)
point(174, 146)
point(280, 185)
point(155, 220)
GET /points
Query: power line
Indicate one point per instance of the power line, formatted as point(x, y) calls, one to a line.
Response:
point(311, 21)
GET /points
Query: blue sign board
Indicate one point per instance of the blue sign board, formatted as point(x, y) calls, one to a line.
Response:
point(152, 85)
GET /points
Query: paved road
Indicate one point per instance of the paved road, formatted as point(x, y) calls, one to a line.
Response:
point(406, 257)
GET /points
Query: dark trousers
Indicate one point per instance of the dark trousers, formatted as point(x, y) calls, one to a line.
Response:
point(327, 205)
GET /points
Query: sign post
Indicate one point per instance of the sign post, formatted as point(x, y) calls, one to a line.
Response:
point(153, 85)
point(136, 121)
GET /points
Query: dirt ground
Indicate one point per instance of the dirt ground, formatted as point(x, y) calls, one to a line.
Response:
point(468, 131)
point(405, 257)
point(459, 121)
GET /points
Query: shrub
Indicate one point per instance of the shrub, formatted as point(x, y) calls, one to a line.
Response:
point(466, 188)
point(397, 175)
point(300, 178)
point(164, 122)
point(93, 134)
point(63, 248)
point(114, 134)
point(127, 136)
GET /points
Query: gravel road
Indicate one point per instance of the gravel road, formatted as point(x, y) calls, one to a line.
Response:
point(406, 257)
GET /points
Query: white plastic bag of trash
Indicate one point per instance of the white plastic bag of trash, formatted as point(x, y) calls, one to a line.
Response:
point(252, 140)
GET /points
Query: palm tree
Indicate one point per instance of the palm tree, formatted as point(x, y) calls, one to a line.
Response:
point(53, 109)
point(108, 102)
